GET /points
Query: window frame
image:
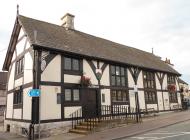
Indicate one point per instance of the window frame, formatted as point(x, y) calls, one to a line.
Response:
point(18, 98)
point(122, 74)
point(72, 70)
point(19, 67)
point(149, 82)
point(172, 95)
point(117, 100)
point(72, 95)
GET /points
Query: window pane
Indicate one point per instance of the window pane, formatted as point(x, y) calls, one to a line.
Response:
point(103, 98)
point(112, 80)
point(124, 95)
point(113, 70)
point(117, 70)
point(119, 96)
point(118, 80)
point(75, 64)
point(76, 96)
point(122, 71)
point(113, 94)
point(58, 98)
point(67, 94)
point(123, 81)
point(67, 64)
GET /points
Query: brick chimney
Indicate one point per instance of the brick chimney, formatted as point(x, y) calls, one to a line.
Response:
point(68, 21)
point(167, 61)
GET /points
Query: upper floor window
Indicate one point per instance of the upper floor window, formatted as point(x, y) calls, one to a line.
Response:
point(20, 66)
point(72, 64)
point(118, 76)
point(149, 80)
point(171, 79)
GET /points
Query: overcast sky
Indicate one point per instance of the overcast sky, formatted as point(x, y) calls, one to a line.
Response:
point(145, 24)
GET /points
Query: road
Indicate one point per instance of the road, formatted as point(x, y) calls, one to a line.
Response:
point(180, 131)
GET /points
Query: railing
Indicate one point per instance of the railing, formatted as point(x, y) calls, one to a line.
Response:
point(106, 113)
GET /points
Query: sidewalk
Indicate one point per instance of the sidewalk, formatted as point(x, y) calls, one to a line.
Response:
point(134, 129)
point(152, 123)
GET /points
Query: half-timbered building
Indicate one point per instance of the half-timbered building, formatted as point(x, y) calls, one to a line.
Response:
point(75, 70)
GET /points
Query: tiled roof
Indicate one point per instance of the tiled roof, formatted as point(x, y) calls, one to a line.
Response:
point(69, 40)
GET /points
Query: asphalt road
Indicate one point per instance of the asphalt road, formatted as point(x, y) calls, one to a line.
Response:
point(180, 131)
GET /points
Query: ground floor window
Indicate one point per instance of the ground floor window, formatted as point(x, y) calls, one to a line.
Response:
point(150, 97)
point(72, 95)
point(120, 96)
point(173, 97)
point(18, 99)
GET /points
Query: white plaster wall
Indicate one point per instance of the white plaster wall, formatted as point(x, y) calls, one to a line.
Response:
point(48, 102)
point(9, 108)
point(95, 63)
point(27, 45)
point(69, 110)
point(179, 98)
point(11, 77)
point(141, 99)
point(89, 73)
point(14, 56)
point(132, 98)
point(28, 68)
point(20, 46)
point(18, 82)
point(101, 64)
point(165, 83)
point(158, 86)
point(27, 104)
point(71, 78)
point(107, 97)
point(105, 80)
point(140, 81)
point(131, 82)
point(53, 70)
point(21, 33)
point(166, 101)
point(160, 101)
point(152, 106)
point(17, 113)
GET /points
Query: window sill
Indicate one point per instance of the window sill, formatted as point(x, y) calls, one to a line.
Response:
point(19, 75)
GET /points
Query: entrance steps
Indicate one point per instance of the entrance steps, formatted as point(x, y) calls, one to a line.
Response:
point(98, 125)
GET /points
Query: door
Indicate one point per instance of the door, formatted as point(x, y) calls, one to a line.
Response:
point(90, 105)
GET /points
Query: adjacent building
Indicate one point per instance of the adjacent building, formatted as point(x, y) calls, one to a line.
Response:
point(3, 83)
point(75, 70)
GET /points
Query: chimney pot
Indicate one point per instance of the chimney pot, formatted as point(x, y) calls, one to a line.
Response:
point(68, 21)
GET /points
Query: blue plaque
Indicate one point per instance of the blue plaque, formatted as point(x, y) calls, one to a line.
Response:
point(34, 93)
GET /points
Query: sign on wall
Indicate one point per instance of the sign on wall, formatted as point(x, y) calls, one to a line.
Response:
point(34, 93)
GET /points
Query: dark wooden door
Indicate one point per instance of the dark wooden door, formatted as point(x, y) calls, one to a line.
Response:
point(90, 106)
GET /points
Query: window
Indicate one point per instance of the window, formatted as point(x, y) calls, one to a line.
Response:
point(172, 95)
point(72, 95)
point(71, 64)
point(119, 96)
point(103, 98)
point(17, 98)
point(150, 97)
point(118, 76)
point(58, 98)
point(20, 66)
point(171, 79)
point(150, 87)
